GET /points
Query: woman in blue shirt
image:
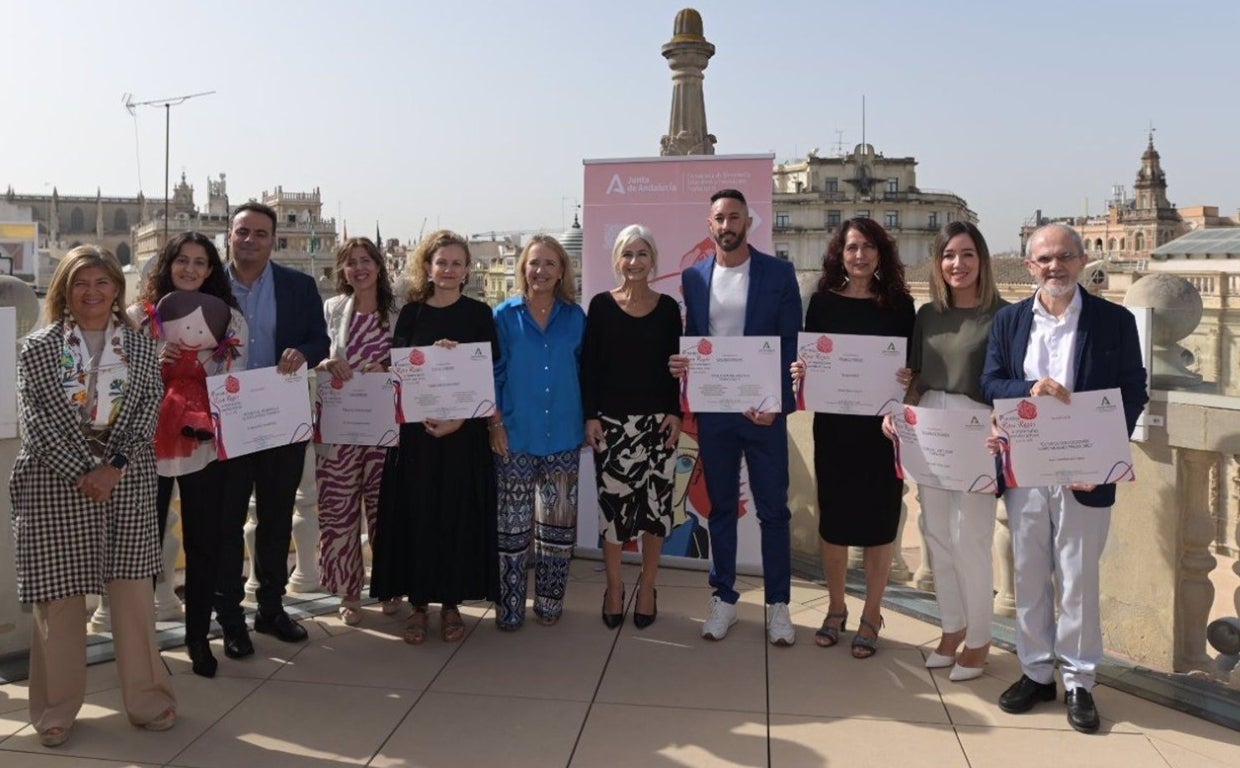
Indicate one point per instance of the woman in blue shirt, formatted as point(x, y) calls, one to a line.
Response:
point(538, 431)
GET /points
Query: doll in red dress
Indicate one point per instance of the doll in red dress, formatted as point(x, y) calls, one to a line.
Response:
point(197, 323)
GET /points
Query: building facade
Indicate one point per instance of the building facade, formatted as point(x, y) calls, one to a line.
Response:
point(814, 196)
point(67, 221)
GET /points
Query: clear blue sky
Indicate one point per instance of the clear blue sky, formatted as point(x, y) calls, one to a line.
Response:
point(476, 115)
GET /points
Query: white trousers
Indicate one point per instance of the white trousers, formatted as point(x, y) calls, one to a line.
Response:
point(1057, 539)
point(959, 529)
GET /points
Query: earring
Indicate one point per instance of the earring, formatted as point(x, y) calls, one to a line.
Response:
point(876, 275)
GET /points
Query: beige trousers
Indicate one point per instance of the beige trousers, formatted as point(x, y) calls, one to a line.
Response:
point(58, 657)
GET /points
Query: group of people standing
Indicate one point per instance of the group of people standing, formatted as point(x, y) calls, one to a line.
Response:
point(451, 512)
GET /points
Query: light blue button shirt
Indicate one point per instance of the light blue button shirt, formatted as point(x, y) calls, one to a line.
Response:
point(258, 304)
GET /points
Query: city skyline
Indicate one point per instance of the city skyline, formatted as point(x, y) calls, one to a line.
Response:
point(477, 116)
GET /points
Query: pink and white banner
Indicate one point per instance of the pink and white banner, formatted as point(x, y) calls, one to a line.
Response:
point(671, 197)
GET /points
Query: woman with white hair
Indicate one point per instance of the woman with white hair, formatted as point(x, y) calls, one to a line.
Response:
point(632, 417)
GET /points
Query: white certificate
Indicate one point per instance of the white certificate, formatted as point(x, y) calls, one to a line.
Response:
point(731, 374)
point(258, 409)
point(1050, 443)
point(944, 448)
point(850, 374)
point(360, 411)
point(440, 383)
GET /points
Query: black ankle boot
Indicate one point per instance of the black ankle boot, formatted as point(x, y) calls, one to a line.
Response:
point(200, 657)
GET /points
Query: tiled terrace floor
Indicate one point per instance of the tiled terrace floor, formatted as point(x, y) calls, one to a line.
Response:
point(578, 695)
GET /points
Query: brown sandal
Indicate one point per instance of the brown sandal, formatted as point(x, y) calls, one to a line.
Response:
point(415, 627)
point(452, 628)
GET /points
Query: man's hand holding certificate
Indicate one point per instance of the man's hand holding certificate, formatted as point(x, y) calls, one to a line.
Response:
point(1053, 443)
point(850, 374)
point(945, 449)
point(731, 374)
point(357, 411)
point(444, 382)
point(258, 409)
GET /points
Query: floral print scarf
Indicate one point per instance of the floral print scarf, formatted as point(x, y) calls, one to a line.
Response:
point(98, 412)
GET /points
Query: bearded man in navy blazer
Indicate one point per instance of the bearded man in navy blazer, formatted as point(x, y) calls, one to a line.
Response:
point(1060, 340)
point(741, 291)
point(285, 315)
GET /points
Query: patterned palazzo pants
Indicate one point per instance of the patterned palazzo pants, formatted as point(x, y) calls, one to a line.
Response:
point(348, 487)
point(635, 480)
point(537, 494)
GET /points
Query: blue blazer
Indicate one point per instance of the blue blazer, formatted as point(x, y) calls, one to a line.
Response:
point(1107, 354)
point(299, 315)
point(773, 307)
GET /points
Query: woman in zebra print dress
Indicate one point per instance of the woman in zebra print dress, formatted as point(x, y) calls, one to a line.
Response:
point(632, 417)
point(359, 322)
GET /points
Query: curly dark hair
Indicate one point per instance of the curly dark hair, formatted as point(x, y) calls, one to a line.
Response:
point(888, 281)
point(383, 286)
point(216, 284)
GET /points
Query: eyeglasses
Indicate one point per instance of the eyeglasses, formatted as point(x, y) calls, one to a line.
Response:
point(1046, 261)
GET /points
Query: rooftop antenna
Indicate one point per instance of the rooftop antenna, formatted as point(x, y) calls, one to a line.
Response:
point(863, 122)
point(167, 103)
point(838, 150)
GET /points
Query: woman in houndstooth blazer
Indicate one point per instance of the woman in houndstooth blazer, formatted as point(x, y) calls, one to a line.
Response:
point(83, 492)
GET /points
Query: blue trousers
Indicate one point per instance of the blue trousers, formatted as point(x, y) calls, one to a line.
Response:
point(723, 439)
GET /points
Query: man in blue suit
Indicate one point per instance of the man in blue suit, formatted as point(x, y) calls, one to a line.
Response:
point(1060, 340)
point(744, 292)
point(285, 316)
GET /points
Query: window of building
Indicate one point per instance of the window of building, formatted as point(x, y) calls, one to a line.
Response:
point(782, 219)
point(831, 184)
point(933, 220)
point(893, 185)
point(120, 222)
point(1138, 242)
point(1123, 243)
point(891, 219)
point(77, 220)
point(950, 217)
point(281, 243)
point(292, 218)
point(863, 214)
point(833, 219)
point(1111, 244)
point(782, 251)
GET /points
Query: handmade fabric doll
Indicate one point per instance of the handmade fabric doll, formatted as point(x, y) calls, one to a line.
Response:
point(198, 322)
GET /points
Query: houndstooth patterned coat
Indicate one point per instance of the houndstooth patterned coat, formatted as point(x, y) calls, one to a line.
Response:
point(67, 544)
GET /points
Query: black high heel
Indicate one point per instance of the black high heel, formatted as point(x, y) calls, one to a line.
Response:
point(643, 620)
point(613, 620)
point(202, 660)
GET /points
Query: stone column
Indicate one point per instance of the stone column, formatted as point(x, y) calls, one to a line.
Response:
point(1194, 595)
point(1234, 473)
point(900, 573)
point(687, 53)
point(167, 604)
point(1005, 564)
point(306, 576)
point(924, 576)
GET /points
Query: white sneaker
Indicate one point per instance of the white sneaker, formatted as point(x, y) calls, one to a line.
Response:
point(779, 626)
point(722, 616)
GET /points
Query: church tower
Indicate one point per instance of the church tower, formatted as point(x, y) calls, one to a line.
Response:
point(1151, 184)
point(687, 53)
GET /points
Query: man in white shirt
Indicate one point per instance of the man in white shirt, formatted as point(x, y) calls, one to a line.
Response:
point(1059, 341)
point(744, 292)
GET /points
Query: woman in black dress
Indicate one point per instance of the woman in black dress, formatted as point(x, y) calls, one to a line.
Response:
point(861, 292)
point(437, 527)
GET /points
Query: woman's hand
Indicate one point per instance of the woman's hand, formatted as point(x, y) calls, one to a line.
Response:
point(678, 365)
point(374, 367)
point(594, 435)
point(499, 439)
point(446, 343)
point(761, 418)
point(290, 360)
point(442, 427)
point(98, 483)
point(797, 369)
point(1052, 388)
point(904, 376)
point(671, 430)
point(336, 368)
point(889, 427)
point(170, 353)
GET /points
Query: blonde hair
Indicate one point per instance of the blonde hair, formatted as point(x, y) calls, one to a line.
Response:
point(940, 293)
point(627, 237)
point(418, 270)
point(566, 288)
point(56, 303)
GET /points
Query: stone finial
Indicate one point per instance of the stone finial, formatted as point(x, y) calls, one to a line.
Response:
point(688, 54)
point(688, 27)
point(1177, 310)
point(15, 292)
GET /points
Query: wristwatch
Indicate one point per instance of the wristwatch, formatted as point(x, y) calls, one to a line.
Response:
point(118, 461)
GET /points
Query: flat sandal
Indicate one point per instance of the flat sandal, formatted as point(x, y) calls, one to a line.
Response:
point(451, 628)
point(415, 628)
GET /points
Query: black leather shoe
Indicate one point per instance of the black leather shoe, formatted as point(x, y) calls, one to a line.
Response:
point(613, 620)
point(237, 643)
point(280, 625)
point(1024, 693)
point(200, 656)
point(1082, 714)
point(643, 620)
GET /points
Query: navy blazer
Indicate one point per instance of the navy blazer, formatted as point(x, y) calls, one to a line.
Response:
point(772, 308)
point(299, 315)
point(1106, 354)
